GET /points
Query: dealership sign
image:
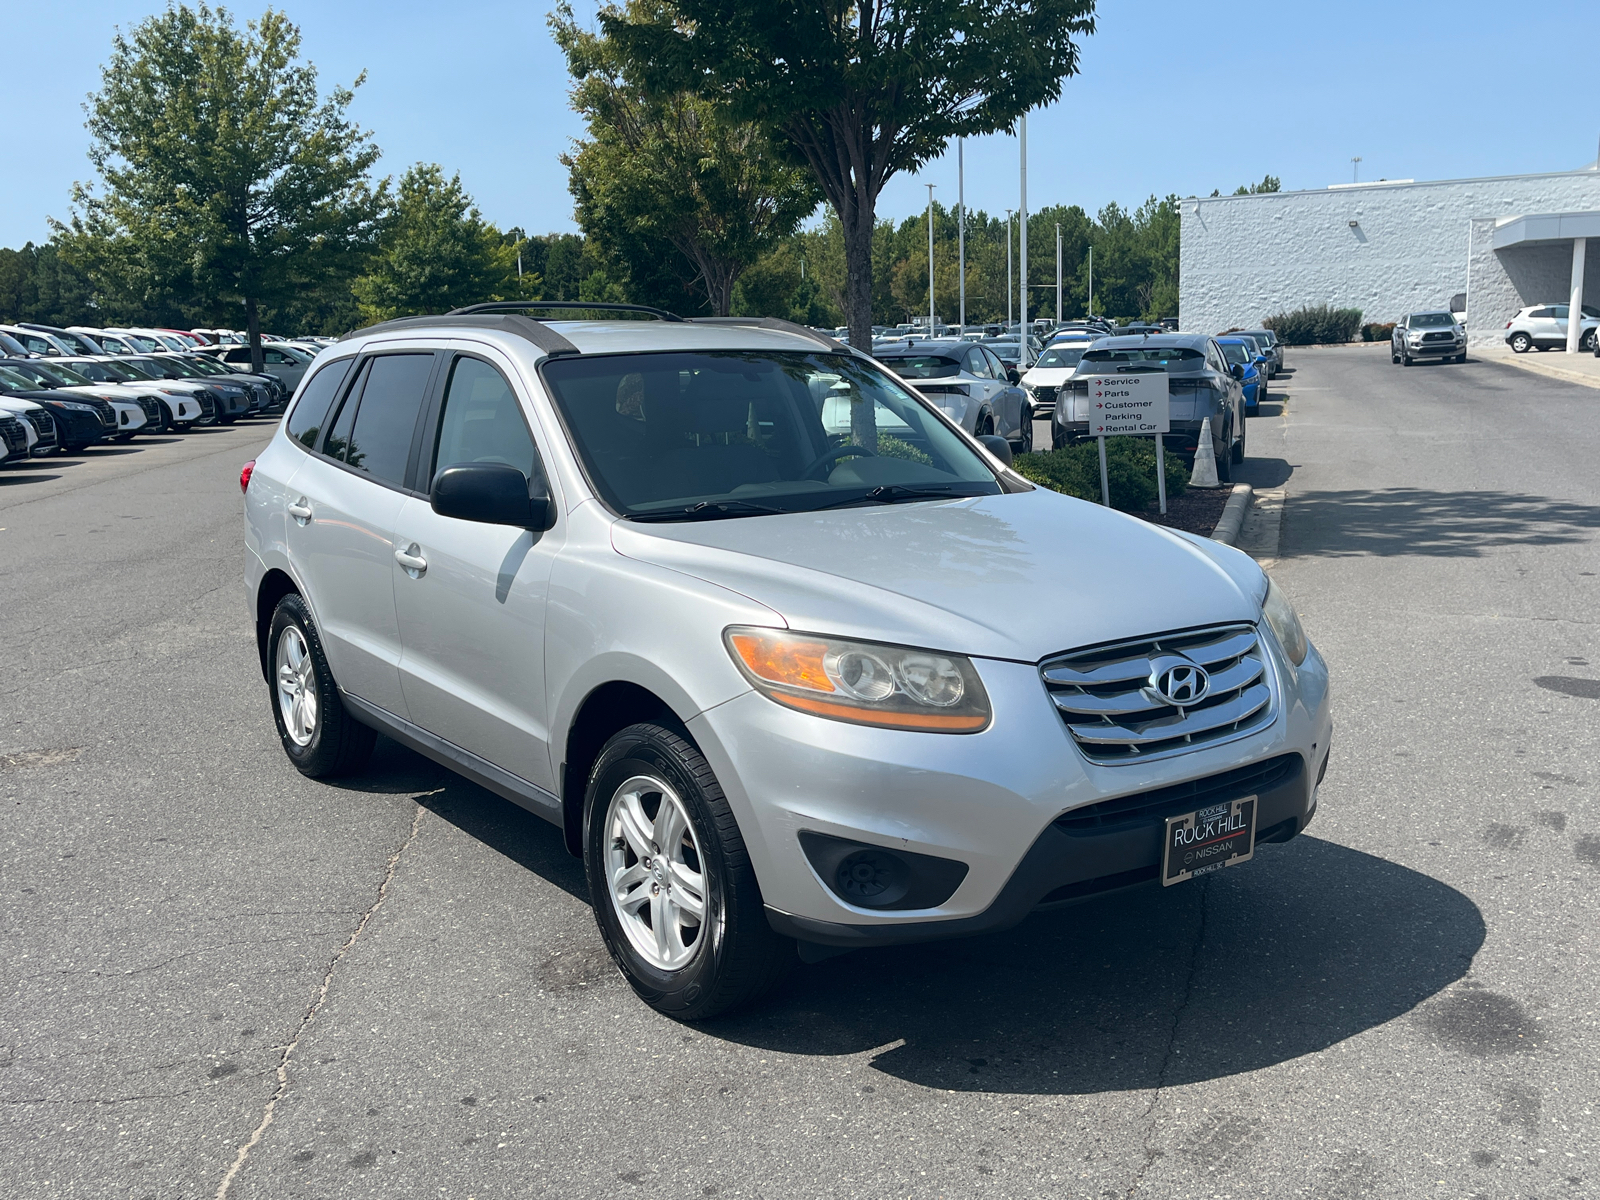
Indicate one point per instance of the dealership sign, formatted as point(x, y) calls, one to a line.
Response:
point(1128, 404)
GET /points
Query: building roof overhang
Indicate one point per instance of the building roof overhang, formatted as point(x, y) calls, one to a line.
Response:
point(1546, 228)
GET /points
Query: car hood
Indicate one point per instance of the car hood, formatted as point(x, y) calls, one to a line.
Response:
point(1047, 376)
point(1017, 576)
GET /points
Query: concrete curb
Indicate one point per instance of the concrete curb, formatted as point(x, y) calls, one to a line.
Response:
point(1227, 530)
point(1523, 363)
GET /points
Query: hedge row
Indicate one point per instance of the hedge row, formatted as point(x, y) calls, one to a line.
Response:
point(1376, 332)
point(1317, 324)
point(1130, 466)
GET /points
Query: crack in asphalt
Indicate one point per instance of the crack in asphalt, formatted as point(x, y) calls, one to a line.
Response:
point(1150, 1153)
point(316, 1005)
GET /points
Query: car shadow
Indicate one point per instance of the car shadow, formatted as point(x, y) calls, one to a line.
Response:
point(1308, 945)
point(1268, 408)
point(1416, 521)
point(525, 839)
point(1263, 472)
point(13, 476)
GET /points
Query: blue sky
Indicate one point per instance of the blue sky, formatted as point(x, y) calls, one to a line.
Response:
point(1173, 97)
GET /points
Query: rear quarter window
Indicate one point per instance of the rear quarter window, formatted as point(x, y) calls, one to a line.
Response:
point(311, 410)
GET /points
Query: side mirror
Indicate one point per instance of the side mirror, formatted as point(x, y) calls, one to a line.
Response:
point(492, 494)
point(1237, 370)
point(1014, 375)
point(997, 446)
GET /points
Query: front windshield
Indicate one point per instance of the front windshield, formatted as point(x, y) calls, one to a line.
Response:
point(1236, 353)
point(121, 371)
point(921, 366)
point(1060, 356)
point(155, 368)
point(98, 371)
point(16, 380)
point(201, 365)
point(63, 374)
point(139, 342)
point(674, 436)
point(1432, 320)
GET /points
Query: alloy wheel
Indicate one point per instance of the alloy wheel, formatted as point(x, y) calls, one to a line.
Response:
point(297, 687)
point(654, 872)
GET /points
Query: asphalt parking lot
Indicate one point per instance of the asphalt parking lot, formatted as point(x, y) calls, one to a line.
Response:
point(223, 980)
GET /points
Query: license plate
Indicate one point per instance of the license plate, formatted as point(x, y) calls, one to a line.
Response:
point(1208, 839)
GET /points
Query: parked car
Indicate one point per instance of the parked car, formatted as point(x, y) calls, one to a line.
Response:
point(1200, 385)
point(270, 392)
point(1269, 344)
point(973, 387)
point(827, 730)
point(1055, 366)
point(42, 438)
point(81, 421)
point(10, 347)
point(228, 401)
point(13, 439)
point(37, 343)
point(1544, 327)
point(177, 408)
point(1433, 334)
point(1245, 353)
point(75, 343)
point(288, 363)
point(128, 414)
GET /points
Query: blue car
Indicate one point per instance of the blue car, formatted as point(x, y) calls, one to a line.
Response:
point(1243, 352)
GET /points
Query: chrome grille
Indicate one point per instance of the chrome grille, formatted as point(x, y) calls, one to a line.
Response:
point(1107, 699)
point(14, 436)
point(1044, 394)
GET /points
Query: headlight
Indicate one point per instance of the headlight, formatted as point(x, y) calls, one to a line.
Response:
point(888, 686)
point(1280, 615)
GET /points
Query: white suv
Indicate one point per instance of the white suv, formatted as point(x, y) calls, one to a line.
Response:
point(1544, 327)
point(781, 680)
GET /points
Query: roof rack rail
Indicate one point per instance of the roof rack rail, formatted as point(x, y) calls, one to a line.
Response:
point(519, 305)
point(821, 339)
point(542, 336)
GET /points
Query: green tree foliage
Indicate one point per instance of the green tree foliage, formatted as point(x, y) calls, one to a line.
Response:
point(1269, 184)
point(669, 167)
point(437, 253)
point(859, 89)
point(225, 179)
point(38, 284)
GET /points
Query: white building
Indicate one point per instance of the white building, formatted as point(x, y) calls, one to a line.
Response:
point(1393, 247)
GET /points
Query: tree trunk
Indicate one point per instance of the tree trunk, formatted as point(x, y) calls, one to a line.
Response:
point(858, 310)
point(252, 324)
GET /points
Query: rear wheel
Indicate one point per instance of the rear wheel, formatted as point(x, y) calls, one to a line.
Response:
point(1238, 447)
point(1521, 343)
point(318, 733)
point(1025, 437)
point(674, 892)
point(1225, 459)
point(985, 425)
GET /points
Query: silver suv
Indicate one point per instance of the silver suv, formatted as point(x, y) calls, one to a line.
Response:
point(1434, 334)
point(788, 657)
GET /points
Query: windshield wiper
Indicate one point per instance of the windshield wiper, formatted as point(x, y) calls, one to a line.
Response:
point(710, 510)
point(891, 493)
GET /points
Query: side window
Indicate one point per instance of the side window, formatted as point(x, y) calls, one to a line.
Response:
point(1541, 312)
point(1560, 312)
point(996, 367)
point(977, 364)
point(482, 422)
point(311, 410)
point(379, 442)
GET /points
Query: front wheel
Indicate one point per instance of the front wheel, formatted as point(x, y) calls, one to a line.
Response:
point(318, 733)
point(674, 892)
point(1238, 447)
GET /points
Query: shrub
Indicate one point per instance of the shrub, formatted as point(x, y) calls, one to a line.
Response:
point(1130, 465)
point(1316, 324)
point(1376, 332)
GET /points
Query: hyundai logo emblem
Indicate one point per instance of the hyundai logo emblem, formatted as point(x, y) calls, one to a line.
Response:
point(1179, 682)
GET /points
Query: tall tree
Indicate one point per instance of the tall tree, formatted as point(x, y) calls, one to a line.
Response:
point(225, 179)
point(672, 166)
point(860, 89)
point(438, 253)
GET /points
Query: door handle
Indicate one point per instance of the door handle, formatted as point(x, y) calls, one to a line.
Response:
point(300, 510)
point(411, 559)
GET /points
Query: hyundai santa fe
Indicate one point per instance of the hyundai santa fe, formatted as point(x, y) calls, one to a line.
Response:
point(793, 660)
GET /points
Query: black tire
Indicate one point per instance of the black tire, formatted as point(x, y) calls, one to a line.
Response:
point(1238, 447)
point(1586, 341)
point(1393, 356)
point(1025, 438)
point(1521, 343)
point(1405, 359)
point(339, 745)
point(984, 425)
point(737, 956)
point(167, 421)
point(1225, 459)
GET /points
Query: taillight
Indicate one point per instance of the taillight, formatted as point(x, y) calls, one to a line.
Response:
point(244, 475)
point(1510, 322)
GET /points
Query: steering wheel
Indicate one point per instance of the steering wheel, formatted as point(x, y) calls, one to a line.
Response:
point(835, 455)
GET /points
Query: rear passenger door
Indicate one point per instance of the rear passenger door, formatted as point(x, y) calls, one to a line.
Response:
point(472, 617)
point(342, 508)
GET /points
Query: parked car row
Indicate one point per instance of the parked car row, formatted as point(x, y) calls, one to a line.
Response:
point(64, 390)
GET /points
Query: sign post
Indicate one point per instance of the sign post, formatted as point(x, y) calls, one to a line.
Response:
point(1130, 403)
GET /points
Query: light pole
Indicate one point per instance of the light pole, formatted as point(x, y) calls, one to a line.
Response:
point(1355, 169)
point(1058, 274)
point(1022, 252)
point(930, 258)
point(1010, 212)
point(1091, 280)
point(961, 224)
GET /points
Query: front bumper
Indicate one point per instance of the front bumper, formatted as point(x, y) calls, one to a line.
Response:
point(1017, 806)
point(1436, 349)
